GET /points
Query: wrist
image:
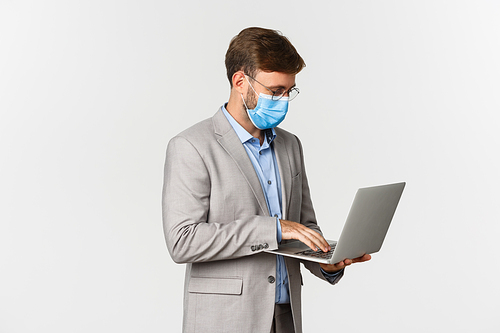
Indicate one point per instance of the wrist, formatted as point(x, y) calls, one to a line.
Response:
point(331, 269)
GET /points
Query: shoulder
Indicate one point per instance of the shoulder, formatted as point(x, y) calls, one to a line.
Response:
point(207, 130)
point(202, 137)
point(199, 131)
point(200, 134)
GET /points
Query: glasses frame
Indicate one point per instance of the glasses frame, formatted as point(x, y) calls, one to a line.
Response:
point(275, 97)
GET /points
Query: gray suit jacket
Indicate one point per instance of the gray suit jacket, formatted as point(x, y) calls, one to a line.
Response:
point(216, 220)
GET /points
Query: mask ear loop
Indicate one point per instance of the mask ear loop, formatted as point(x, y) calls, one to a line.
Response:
point(246, 107)
point(251, 86)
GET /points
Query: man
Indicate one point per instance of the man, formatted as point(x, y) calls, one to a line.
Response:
point(235, 185)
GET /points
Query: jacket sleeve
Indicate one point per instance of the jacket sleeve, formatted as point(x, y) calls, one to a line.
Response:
point(190, 235)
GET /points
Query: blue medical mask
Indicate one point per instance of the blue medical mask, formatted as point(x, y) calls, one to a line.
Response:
point(268, 113)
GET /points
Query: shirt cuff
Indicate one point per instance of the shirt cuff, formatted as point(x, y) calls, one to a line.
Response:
point(332, 277)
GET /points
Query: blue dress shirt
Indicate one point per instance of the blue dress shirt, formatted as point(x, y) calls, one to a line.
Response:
point(264, 162)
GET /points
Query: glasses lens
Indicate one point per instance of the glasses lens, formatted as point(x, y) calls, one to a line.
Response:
point(293, 93)
point(278, 94)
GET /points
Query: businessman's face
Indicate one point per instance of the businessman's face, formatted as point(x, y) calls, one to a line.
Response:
point(267, 83)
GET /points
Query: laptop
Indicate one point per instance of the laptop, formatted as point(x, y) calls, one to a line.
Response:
point(364, 230)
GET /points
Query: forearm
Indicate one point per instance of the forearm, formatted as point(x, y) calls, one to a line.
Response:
point(209, 241)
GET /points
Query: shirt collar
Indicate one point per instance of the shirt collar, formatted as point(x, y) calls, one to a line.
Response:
point(244, 136)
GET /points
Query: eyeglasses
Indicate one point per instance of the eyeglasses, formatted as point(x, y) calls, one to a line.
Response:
point(277, 94)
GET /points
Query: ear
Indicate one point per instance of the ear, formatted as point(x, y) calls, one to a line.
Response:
point(239, 82)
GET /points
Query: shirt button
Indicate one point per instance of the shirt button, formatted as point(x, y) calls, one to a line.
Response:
point(275, 215)
point(260, 152)
point(253, 140)
point(269, 182)
point(271, 279)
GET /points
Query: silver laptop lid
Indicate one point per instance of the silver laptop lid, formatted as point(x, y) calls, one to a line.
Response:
point(368, 221)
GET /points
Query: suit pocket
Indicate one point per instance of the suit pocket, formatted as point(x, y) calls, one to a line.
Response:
point(222, 286)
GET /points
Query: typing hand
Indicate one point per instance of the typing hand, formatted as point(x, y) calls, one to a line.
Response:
point(294, 230)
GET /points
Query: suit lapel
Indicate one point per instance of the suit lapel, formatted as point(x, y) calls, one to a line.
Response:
point(232, 145)
point(285, 173)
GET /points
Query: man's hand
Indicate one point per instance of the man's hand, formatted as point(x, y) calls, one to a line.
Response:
point(342, 264)
point(294, 230)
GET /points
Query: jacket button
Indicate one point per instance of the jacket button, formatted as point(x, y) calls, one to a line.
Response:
point(253, 248)
point(260, 247)
point(271, 279)
point(266, 245)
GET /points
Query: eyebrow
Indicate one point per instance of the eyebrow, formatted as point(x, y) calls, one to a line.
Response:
point(282, 87)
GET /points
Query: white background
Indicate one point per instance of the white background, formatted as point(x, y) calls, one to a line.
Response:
point(91, 92)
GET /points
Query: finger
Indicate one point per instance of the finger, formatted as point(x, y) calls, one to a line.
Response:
point(364, 258)
point(294, 230)
point(306, 240)
point(340, 265)
point(310, 240)
point(309, 237)
point(316, 238)
point(319, 243)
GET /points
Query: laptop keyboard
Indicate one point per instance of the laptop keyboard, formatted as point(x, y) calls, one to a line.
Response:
point(319, 253)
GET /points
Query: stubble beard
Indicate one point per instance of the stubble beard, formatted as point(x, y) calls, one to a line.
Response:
point(250, 101)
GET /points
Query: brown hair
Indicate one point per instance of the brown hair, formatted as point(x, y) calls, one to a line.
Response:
point(262, 49)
